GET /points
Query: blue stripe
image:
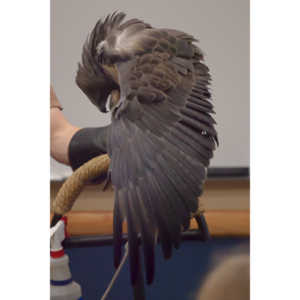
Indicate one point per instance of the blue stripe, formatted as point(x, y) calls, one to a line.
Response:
point(61, 282)
point(80, 298)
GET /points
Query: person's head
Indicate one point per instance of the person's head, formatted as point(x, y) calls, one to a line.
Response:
point(229, 280)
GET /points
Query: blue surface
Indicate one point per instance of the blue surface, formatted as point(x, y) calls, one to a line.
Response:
point(177, 278)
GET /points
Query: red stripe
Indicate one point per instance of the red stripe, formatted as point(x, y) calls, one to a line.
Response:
point(65, 220)
point(57, 254)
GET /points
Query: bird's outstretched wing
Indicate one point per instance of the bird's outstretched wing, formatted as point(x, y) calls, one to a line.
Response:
point(161, 138)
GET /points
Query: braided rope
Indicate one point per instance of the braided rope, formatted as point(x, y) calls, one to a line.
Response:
point(73, 186)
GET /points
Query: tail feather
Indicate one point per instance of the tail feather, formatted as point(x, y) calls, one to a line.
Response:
point(139, 287)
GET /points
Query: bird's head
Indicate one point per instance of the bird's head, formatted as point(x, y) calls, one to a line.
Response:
point(102, 88)
point(97, 75)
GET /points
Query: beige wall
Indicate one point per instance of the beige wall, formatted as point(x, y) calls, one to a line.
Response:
point(222, 27)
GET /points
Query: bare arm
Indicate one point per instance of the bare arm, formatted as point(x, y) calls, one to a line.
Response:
point(61, 131)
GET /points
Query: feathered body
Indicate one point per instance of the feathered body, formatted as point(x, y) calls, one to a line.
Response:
point(162, 134)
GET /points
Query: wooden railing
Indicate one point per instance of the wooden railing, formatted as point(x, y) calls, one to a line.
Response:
point(220, 223)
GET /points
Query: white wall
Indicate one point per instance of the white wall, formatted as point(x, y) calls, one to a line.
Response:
point(222, 27)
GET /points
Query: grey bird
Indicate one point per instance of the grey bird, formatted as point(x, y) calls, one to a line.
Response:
point(162, 133)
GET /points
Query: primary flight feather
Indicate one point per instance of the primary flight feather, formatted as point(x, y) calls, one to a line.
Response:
point(162, 134)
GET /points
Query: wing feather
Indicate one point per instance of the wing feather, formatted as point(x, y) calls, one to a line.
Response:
point(161, 139)
point(117, 231)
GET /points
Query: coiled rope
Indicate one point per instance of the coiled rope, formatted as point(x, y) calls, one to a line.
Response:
point(72, 187)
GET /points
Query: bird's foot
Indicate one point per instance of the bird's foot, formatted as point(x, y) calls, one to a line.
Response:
point(202, 225)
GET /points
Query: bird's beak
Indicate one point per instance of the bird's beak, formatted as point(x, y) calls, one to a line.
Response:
point(102, 107)
point(112, 101)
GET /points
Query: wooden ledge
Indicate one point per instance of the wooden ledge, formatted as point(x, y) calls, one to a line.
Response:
point(220, 223)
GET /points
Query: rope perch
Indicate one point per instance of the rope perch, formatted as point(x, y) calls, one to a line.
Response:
point(73, 186)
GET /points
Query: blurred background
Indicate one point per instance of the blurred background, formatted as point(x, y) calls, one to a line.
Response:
point(222, 28)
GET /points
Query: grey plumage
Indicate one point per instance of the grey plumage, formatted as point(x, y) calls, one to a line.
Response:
point(162, 134)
